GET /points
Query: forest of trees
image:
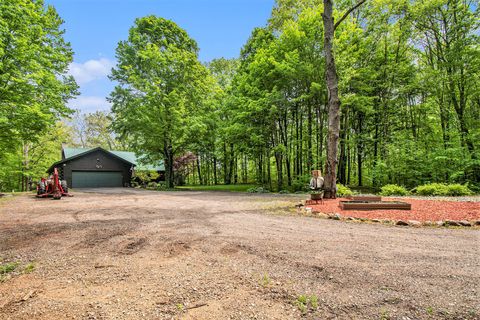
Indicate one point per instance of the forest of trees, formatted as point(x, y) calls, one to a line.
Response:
point(408, 83)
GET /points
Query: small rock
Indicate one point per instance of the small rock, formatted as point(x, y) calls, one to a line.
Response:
point(477, 222)
point(351, 218)
point(401, 223)
point(322, 215)
point(452, 223)
point(375, 220)
point(335, 216)
point(465, 223)
point(414, 223)
point(440, 223)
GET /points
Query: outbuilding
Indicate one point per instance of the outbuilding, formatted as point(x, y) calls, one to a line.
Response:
point(98, 167)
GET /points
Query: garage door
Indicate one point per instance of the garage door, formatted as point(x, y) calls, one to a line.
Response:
point(96, 179)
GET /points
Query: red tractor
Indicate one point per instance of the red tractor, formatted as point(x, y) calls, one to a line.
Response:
point(52, 187)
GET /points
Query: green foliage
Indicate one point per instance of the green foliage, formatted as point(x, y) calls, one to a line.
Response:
point(34, 86)
point(393, 190)
point(29, 162)
point(220, 187)
point(432, 189)
point(458, 190)
point(265, 281)
point(93, 130)
point(343, 191)
point(145, 177)
point(159, 101)
point(30, 267)
point(152, 185)
point(301, 183)
point(441, 189)
point(307, 302)
point(408, 82)
point(8, 267)
point(258, 190)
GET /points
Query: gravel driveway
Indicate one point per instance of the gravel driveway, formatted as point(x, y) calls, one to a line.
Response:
point(133, 254)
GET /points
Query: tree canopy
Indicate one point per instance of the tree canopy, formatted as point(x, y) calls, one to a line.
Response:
point(158, 101)
point(407, 81)
point(34, 85)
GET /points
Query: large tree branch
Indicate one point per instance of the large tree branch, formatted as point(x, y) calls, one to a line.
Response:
point(347, 13)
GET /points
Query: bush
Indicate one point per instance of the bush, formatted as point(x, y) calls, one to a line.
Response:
point(343, 191)
point(301, 184)
point(458, 190)
point(257, 190)
point(161, 186)
point(441, 189)
point(432, 189)
point(393, 190)
point(152, 185)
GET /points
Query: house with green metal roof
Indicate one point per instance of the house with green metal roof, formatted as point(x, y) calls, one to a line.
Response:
point(98, 167)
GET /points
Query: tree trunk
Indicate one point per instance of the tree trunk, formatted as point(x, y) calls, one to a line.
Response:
point(169, 177)
point(309, 139)
point(333, 103)
point(215, 181)
point(199, 171)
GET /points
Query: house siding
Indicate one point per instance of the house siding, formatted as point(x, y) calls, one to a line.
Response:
point(95, 161)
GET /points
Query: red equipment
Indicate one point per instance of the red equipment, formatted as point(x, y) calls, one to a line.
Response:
point(52, 187)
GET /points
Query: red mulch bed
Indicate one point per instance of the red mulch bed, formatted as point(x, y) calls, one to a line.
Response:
point(422, 210)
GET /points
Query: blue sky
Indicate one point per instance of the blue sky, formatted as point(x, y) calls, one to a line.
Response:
point(94, 27)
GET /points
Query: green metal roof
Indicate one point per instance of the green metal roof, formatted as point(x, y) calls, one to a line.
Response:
point(126, 155)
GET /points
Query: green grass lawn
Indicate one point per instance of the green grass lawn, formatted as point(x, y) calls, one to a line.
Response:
point(219, 187)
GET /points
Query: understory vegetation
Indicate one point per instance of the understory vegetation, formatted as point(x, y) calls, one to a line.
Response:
point(409, 75)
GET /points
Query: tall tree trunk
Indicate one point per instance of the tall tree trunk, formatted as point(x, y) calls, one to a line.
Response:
point(309, 139)
point(333, 99)
point(225, 164)
point(199, 171)
point(360, 117)
point(215, 181)
point(231, 165)
point(333, 102)
point(342, 166)
point(169, 177)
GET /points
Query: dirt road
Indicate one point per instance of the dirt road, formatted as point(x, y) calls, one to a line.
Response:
point(130, 254)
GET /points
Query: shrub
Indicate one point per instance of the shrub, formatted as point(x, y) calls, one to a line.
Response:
point(343, 191)
point(393, 190)
point(161, 186)
point(432, 189)
point(152, 185)
point(458, 190)
point(301, 183)
point(257, 190)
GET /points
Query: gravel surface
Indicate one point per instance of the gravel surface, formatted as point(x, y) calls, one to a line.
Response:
point(132, 254)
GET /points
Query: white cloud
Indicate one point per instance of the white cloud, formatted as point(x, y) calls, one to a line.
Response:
point(89, 103)
point(90, 70)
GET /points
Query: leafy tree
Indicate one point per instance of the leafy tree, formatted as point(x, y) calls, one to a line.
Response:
point(34, 88)
point(34, 59)
point(161, 89)
point(94, 130)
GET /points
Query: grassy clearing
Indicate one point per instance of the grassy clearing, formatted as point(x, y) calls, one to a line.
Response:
point(219, 187)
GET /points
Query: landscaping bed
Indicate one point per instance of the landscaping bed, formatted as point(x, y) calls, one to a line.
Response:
point(422, 210)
